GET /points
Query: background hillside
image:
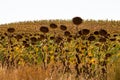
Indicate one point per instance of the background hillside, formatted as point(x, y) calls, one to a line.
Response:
point(33, 26)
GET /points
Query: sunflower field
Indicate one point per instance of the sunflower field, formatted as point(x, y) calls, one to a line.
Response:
point(68, 50)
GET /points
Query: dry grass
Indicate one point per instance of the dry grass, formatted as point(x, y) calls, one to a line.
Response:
point(25, 73)
point(38, 73)
point(22, 73)
point(33, 73)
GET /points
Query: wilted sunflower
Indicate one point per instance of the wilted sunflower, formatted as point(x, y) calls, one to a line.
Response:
point(80, 32)
point(107, 55)
point(26, 45)
point(103, 70)
point(53, 25)
point(83, 37)
point(33, 39)
point(96, 32)
point(105, 47)
point(27, 39)
point(58, 39)
point(102, 32)
point(18, 36)
point(102, 40)
point(30, 34)
point(41, 37)
point(115, 35)
point(70, 36)
point(11, 30)
point(5, 34)
point(77, 20)
point(112, 39)
point(91, 38)
point(67, 33)
point(52, 38)
point(98, 44)
point(33, 43)
point(69, 39)
point(63, 27)
point(44, 29)
point(12, 50)
point(24, 42)
point(2, 37)
point(85, 31)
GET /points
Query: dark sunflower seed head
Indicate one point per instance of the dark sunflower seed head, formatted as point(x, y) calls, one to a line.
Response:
point(77, 20)
point(44, 29)
point(63, 27)
point(53, 25)
point(11, 30)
